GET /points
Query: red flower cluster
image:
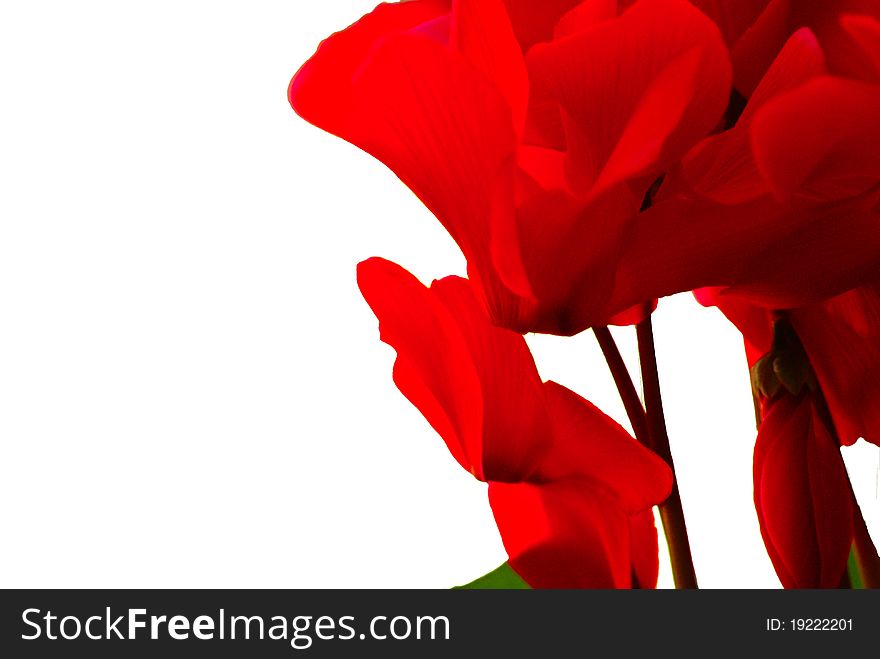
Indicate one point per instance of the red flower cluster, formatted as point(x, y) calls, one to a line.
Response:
point(589, 157)
point(538, 183)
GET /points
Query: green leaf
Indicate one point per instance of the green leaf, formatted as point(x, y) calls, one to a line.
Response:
point(855, 574)
point(501, 578)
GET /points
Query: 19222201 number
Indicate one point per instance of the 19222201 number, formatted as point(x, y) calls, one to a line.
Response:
point(821, 624)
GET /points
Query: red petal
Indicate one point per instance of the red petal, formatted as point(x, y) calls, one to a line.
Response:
point(845, 57)
point(516, 427)
point(865, 31)
point(768, 253)
point(660, 113)
point(433, 369)
point(822, 138)
point(645, 549)
point(322, 90)
point(587, 443)
point(680, 244)
point(541, 169)
point(571, 256)
point(732, 18)
point(584, 16)
point(544, 126)
point(634, 315)
point(842, 338)
point(437, 121)
point(799, 61)
point(763, 444)
point(475, 383)
point(723, 167)
point(662, 73)
point(481, 31)
point(858, 309)
point(563, 535)
point(759, 44)
point(802, 496)
point(828, 255)
point(832, 503)
point(443, 129)
point(534, 21)
point(755, 323)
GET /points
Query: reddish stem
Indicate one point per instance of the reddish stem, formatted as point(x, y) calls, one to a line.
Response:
point(671, 512)
point(628, 393)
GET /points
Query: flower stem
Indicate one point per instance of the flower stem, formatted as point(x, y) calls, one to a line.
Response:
point(628, 393)
point(867, 559)
point(671, 512)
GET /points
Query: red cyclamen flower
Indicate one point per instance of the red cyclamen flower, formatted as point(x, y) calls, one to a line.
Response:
point(537, 165)
point(571, 491)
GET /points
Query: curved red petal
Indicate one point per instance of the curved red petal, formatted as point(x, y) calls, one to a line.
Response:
point(865, 32)
point(444, 129)
point(634, 314)
point(683, 244)
point(565, 534)
point(645, 549)
point(821, 140)
point(826, 19)
point(825, 258)
point(801, 495)
point(516, 426)
point(482, 32)
point(775, 255)
point(832, 503)
point(732, 18)
point(587, 443)
point(800, 60)
point(477, 384)
point(662, 72)
point(534, 21)
point(755, 322)
point(431, 116)
point(842, 339)
point(572, 253)
point(585, 15)
point(723, 167)
point(759, 44)
point(434, 369)
point(322, 90)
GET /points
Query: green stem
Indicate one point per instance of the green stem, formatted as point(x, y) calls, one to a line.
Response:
point(867, 559)
point(671, 512)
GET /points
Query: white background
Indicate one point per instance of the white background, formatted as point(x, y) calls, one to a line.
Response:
point(192, 391)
